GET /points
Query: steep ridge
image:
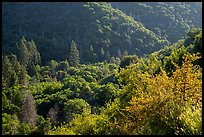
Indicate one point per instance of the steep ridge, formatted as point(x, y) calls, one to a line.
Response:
point(170, 20)
point(92, 25)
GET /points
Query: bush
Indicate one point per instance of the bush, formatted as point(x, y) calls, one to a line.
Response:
point(191, 121)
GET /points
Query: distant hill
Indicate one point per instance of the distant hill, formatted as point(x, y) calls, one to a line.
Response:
point(170, 20)
point(100, 29)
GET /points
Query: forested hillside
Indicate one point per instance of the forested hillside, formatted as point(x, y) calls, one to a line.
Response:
point(100, 30)
point(90, 69)
point(169, 20)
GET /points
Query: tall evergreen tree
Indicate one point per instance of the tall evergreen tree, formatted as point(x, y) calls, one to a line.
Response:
point(91, 57)
point(6, 68)
point(23, 53)
point(28, 55)
point(91, 48)
point(74, 55)
point(33, 53)
point(16, 66)
point(15, 63)
point(23, 77)
point(107, 56)
point(34, 58)
point(119, 54)
point(8, 72)
point(102, 54)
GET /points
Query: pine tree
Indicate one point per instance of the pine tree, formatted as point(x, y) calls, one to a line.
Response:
point(102, 53)
point(74, 55)
point(16, 64)
point(6, 69)
point(119, 53)
point(23, 53)
point(91, 54)
point(14, 79)
point(28, 55)
point(107, 56)
point(23, 77)
point(34, 58)
point(33, 53)
point(19, 72)
point(8, 72)
point(91, 48)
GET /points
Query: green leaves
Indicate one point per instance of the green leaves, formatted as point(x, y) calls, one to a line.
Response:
point(10, 124)
point(156, 100)
point(75, 106)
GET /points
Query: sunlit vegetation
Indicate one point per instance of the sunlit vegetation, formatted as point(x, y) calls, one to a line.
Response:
point(111, 91)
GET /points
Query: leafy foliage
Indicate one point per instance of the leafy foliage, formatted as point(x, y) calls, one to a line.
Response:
point(156, 100)
point(143, 94)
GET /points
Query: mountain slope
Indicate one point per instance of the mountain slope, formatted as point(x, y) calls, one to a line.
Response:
point(170, 20)
point(53, 25)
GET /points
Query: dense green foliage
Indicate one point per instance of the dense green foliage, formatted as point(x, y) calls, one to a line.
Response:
point(53, 92)
point(169, 20)
point(100, 30)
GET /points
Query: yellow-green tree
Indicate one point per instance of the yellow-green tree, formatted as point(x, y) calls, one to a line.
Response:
point(158, 104)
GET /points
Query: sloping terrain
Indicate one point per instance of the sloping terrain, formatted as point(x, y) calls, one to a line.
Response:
point(170, 20)
point(96, 25)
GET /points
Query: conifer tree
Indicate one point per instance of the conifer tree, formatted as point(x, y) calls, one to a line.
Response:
point(91, 54)
point(107, 56)
point(74, 55)
point(102, 54)
point(16, 64)
point(91, 48)
point(34, 55)
point(23, 53)
point(34, 58)
point(8, 72)
point(119, 53)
